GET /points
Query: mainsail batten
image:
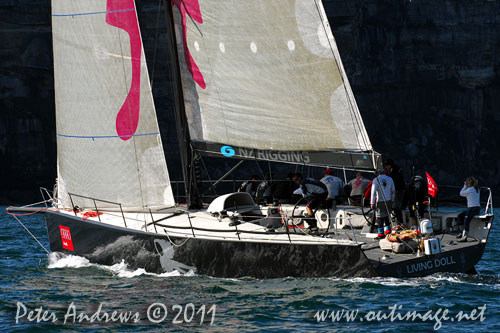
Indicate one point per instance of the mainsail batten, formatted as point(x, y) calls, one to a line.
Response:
point(108, 139)
point(273, 79)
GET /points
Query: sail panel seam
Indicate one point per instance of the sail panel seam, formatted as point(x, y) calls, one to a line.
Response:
point(104, 136)
point(92, 13)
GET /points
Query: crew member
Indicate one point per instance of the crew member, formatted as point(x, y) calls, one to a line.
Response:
point(282, 190)
point(395, 172)
point(263, 194)
point(249, 186)
point(382, 194)
point(471, 192)
point(358, 187)
point(317, 193)
point(417, 194)
point(335, 187)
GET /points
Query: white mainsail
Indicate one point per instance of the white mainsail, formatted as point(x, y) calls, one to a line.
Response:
point(109, 145)
point(265, 75)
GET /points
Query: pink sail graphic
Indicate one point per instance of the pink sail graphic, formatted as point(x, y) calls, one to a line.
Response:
point(191, 8)
point(121, 14)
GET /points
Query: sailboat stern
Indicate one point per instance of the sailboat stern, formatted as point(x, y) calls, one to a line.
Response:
point(454, 257)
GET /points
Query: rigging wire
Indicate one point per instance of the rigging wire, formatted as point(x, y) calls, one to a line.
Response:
point(28, 231)
point(260, 170)
point(156, 42)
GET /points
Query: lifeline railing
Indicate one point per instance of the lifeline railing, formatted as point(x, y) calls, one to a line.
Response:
point(239, 231)
point(94, 200)
point(233, 186)
point(192, 228)
point(489, 202)
point(487, 210)
point(54, 201)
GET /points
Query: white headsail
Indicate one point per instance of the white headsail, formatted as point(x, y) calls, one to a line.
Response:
point(265, 75)
point(108, 140)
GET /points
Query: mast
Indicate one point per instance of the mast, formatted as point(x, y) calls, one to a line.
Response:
point(186, 153)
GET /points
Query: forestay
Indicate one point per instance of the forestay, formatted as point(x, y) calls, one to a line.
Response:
point(265, 75)
point(108, 139)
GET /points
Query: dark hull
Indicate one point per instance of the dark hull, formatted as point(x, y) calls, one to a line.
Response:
point(105, 244)
point(461, 260)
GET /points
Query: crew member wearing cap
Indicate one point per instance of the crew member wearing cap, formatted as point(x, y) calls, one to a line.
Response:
point(382, 194)
point(335, 187)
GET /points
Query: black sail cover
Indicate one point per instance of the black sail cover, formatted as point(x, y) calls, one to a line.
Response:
point(263, 80)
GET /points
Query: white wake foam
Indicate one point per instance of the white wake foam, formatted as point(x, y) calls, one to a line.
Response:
point(430, 280)
point(60, 260)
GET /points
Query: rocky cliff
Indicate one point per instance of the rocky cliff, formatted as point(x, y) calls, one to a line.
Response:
point(424, 74)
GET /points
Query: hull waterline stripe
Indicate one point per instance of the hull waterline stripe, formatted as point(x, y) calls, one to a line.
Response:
point(103, 136)
point(94, 13)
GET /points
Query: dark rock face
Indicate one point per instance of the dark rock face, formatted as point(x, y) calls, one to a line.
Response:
point(27, 120)
point(424, 74)
point(425, 77)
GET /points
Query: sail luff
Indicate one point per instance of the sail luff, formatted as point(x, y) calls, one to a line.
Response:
point(358, 122)
point(375, 158)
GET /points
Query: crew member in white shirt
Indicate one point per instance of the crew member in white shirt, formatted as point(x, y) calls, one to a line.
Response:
point(382, 194)
point(335, 187)
point(471, 192)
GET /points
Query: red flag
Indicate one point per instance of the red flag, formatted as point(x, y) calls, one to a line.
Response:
point(368, 191)
point(431, 186)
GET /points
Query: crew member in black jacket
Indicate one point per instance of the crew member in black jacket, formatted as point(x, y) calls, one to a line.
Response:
point(317, 192)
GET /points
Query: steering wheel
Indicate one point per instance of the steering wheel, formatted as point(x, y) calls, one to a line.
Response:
point(367, 214)
point(293, 220)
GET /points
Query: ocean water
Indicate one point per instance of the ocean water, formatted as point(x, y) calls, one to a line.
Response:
point(76, 295)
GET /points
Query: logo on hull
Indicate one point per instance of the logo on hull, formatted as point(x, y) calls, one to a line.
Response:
point(67, 242)
point(430, 264)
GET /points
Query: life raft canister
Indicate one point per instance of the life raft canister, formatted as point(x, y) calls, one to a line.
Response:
point(426, 227)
